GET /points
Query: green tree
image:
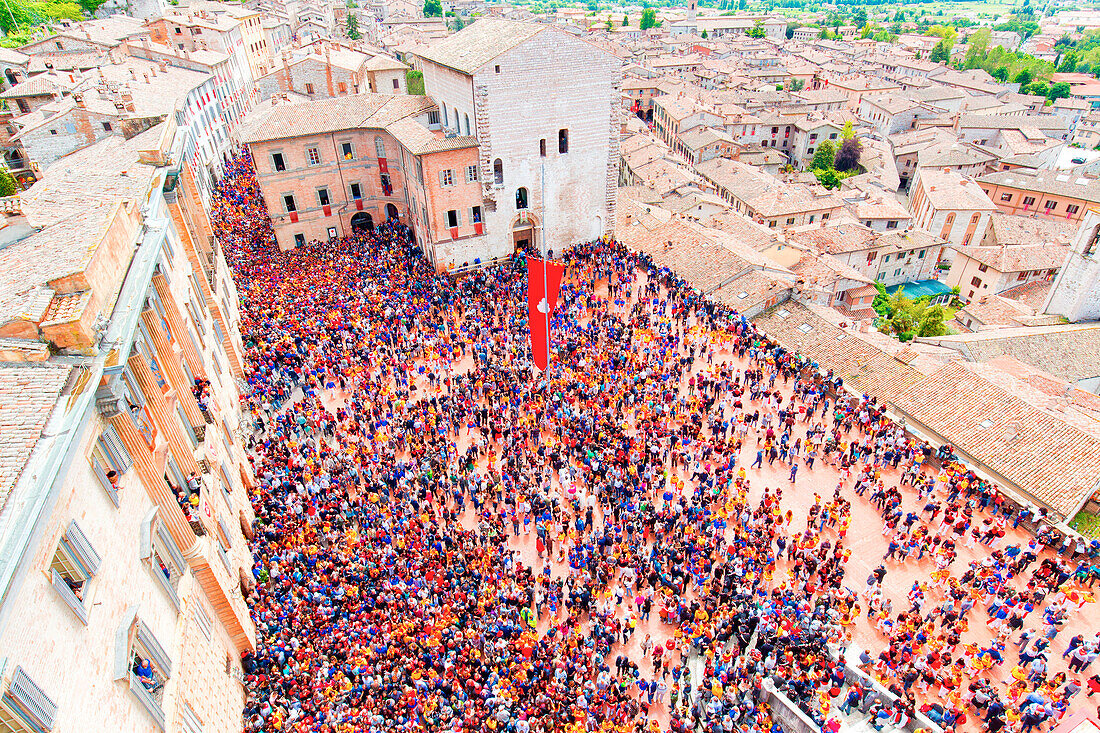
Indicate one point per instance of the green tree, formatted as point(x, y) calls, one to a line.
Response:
point(790, 31)
point(879, 304)
point(757, 31)
point(847, 132)
point(823, 156)
point(932, 322)
point(8, 185)
point(704, 33)
point(796, 85)
point(353, 27)
point(941, 54)
point(1058, 91)
point(859, 17)
point(827, 178)
point(1000, 73)
point(899, 17)
point(649, 19)
point(847, 157)
point(946, 32)
point(976, 46)
point(414, 82)
point(433, 9)
point(1023, 78)
point(1069, 63)
point(626, 21)
point(1037, 88)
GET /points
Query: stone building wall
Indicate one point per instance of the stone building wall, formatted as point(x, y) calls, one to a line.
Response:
point(570, 195)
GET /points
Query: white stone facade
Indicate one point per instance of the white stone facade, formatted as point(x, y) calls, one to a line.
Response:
point(1075, 294)
point(549, 83)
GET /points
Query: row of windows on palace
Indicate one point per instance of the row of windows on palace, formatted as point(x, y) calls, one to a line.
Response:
point(346, 150)
point(141, 660)
point(1049, 206)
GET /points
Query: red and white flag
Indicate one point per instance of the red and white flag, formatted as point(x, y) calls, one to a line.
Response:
point(543, 287)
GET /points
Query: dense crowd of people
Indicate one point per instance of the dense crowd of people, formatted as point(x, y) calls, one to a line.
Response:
point(409, 457)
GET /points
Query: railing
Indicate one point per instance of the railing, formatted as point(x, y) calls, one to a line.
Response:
point(477, 265)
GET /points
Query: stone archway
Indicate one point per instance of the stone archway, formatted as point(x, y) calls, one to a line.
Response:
point(525, 229)
point(362, 222)
point(392, 212)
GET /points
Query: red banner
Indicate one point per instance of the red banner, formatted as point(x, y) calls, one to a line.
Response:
point(543, 287)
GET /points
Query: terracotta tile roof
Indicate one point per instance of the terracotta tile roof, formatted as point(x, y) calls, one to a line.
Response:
point(383, 63)
point(27, 395)
point(419, 139)
point(703, 264)
point(766, 194)
point(1060, 184)
point(13, 57)
point(59, 250)
point(1046, 123)
point(1031, 294)
point(993, 310)
point(884, 207)
point(66, 307)
point(847, 236)
point(1050, 460)
point(1009, 229)
point(856, 313)
point(862, 365)
point(707, 258)
point(319, 116)
point(1017, 258)
point(912, 141)
point(750, 291)
point(105, 172)
point(948, 190)
point(952, 154)
point(479, 43)
point(42, 85)
point(1071, 353)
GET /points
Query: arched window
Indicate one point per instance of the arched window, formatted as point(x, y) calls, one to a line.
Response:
point(521, 198)
point(446, 122)
point(379, 147)
point(542, 147)
point(498, 172)
point(467, 125)
point(563, 141)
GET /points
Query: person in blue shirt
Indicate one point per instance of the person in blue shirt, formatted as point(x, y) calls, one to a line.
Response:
point(146, 675)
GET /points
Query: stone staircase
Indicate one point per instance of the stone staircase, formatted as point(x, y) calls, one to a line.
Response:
point(485, 145)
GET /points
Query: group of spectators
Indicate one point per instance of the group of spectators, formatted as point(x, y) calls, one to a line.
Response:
point(448, 540)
